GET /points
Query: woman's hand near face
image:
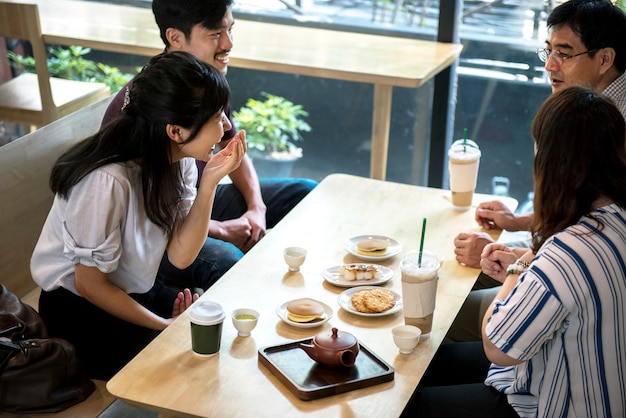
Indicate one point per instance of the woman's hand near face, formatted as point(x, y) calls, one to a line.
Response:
point(190, 233)
point(227, 160)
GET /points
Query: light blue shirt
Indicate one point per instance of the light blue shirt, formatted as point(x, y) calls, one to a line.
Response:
point(566, 318)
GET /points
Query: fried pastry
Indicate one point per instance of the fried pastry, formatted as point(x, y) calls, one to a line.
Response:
point(373, 300)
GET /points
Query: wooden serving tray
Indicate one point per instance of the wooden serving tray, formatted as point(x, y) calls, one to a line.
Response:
point(310, 380)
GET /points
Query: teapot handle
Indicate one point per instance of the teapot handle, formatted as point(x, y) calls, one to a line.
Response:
point(347, 357)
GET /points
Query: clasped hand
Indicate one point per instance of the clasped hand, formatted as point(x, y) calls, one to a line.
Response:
point(243, 232)
point(497, 257)
point(489, 215)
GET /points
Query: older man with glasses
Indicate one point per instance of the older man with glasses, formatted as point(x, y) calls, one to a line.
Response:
point(586, 45)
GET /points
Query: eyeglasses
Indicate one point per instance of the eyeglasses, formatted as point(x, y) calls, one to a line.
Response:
point(544, 53)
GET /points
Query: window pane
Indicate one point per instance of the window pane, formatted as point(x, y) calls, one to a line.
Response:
point(501, 84)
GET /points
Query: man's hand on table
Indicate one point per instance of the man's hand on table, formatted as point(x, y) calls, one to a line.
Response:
point(489, 216)
point(496, 215)
point(468, 247)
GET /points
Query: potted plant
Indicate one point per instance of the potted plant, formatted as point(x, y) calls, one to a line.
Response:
point(273, 128)
point(70, 63)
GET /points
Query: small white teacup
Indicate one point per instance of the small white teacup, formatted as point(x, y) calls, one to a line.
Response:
point(244, 320)
point(294, 257)
point(406, 337)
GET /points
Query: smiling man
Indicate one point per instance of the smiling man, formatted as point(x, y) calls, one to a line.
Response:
point(202, 28)
point(245, 208)
point(586, 45)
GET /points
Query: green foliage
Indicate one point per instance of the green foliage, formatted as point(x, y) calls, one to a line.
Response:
point(272, 126)
point(71, 64)
point(621, 4)
point(113, 77)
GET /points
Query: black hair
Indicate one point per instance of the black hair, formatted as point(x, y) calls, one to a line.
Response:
point(174, 88)
point(185, 14)
point(598, 23)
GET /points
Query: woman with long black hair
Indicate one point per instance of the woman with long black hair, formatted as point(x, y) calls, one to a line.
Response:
point(122, 198)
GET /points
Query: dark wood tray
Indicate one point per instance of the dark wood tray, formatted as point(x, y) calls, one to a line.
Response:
point(309, 380)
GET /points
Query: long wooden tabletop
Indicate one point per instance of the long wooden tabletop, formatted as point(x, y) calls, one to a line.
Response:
point(382, 61)
point(167, 377)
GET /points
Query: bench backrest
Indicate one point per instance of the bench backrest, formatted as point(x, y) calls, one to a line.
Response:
point(25, 166)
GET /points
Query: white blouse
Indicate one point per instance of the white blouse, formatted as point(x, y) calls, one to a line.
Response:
point(103, 224)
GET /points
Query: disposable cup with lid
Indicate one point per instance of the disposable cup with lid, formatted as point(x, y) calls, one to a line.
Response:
point(206, 319)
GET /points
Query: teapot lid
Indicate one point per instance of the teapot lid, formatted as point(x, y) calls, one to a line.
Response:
point(335, 340)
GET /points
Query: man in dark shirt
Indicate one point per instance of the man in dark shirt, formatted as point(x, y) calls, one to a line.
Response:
point(245, 208)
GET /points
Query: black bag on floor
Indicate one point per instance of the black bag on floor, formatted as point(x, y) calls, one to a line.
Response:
point(37, 374)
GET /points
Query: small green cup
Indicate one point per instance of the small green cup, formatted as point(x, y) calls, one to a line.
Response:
point(206, 319)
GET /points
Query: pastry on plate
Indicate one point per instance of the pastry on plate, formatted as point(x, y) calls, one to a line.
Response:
point(305, 310)
point(373, 300)
point(360, 271)
point(372, 247)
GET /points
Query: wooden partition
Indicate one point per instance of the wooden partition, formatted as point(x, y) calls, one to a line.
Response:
point(25, 166)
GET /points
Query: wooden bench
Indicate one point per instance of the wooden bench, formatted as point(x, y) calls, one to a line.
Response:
point(25, 166)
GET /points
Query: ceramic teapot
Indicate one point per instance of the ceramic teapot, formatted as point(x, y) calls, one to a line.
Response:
point(338, 348)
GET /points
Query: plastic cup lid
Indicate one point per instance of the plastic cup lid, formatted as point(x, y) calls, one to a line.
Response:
point(461, 150)
point(206, 313)
point(410, 262)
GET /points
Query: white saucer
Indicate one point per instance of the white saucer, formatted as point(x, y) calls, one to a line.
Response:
point(332, 276)
point(281, 311)
point(393, 248)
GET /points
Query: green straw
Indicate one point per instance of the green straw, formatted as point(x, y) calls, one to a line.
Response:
point(464, 139)
point(419, 259)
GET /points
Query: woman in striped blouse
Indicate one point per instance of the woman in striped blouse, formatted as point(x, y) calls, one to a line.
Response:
point(555, 335)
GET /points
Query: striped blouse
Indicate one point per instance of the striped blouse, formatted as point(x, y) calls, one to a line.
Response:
point(566, 319)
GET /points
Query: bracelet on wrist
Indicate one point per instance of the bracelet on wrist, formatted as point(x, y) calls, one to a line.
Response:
point(518, 267)
point(514, 269)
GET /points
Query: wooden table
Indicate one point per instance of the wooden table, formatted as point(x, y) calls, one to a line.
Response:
point(382, 61)
point(167, 377)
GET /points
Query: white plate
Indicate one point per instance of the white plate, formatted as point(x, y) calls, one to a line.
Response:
point(332, 276)
point(281, 311)
point(393, 248)
point(345, 301)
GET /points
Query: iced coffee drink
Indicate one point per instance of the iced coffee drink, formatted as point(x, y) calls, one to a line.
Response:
point(464, 158)
point(419, 288)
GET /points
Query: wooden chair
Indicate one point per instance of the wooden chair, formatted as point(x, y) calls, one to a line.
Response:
point(38, 99)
